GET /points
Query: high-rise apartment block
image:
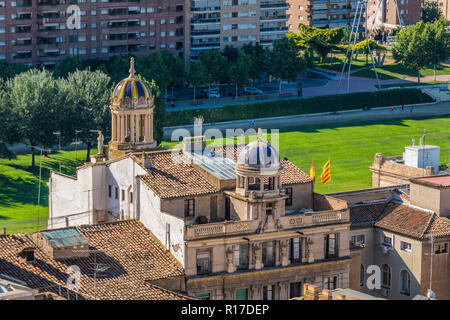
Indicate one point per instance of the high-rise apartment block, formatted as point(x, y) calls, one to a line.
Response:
point(41, 32)
point(323, 13)
point(218, 23)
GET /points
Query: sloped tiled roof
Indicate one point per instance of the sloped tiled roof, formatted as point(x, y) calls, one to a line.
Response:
point(365, 214)
point(170, 180)
point(128, 257)
point(400, 218)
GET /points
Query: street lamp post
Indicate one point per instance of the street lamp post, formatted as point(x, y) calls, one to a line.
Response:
point(58, 133)
point(40, 178)
point(76, 143)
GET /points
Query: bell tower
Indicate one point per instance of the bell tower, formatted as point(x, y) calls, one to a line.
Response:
point(132, 106)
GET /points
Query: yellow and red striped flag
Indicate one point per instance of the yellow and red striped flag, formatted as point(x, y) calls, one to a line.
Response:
point(312, 173)
point(325, 177)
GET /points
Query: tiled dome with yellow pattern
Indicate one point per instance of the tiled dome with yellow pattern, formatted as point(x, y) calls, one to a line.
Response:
point(132, 88)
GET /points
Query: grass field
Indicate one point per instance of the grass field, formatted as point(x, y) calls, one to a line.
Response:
point(399, 71)
point(351, 148)
point(410, 84)
point(19, 187)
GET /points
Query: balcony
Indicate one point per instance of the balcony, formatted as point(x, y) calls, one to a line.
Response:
point(203, 33)
point(274, 5)
point(309, 219)
point(205, 9)
point(211, 230)
point(205, 20)
point(273, 18)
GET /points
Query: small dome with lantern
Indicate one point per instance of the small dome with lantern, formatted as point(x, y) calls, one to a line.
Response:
point(259, 154)
point(132, 92)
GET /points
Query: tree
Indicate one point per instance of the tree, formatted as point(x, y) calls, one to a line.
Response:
point(197, 75)
point(159, 113)
point(259, 59)
point(240, 70)
point(361, 47)
point(215, 64)
point(437, 42)
point(153, 67)
point(10, 70)
point(410, 48)
point(175, 66)
point(9, 133)
point(35, 100)
point(88, 95)
point(431, 11)
point(68, 65)
point(321, 41)
point(285, 60)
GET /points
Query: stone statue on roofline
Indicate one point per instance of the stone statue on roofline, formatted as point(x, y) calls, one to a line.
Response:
point(100, 142)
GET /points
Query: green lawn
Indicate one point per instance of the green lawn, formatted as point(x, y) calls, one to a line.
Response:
point(351, 148)
point(410, 84)
point(19, 184)
point(398, 71)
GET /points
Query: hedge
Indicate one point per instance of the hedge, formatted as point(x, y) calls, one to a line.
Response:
point(328, 103)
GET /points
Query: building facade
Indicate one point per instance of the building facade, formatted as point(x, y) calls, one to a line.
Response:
point(323, 14)
point(242, 223)
point(38, 32)
point(388, 13)
point(405, 231)
point(215, 24)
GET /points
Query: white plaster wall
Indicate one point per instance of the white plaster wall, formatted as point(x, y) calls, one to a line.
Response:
point(70, 196)
point(156, 221)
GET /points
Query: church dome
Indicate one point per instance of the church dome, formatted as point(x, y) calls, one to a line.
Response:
point(259, 154)
point(131, 91)
point(132, 88)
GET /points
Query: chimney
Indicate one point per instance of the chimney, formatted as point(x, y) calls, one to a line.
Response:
point(312, 292)
point(421, 141)
point(340, 296)
point(146, 161)
point(413, 142)
point(326, 295)
point(4, 231)
point(194, 144)
point(242, 139)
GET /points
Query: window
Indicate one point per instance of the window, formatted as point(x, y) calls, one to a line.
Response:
point(359, 239)
point(241, 256)
point(405, 246)
point(268, 292)
point(117, 193)
point(109, 191)
point(241, 294)
point(189, 207)
point(268, 253)
point(131, 197)
point(331, 245)
point(123, 195)
point(204, 296)
point(441, 247)
point(295, 290)
point(289, 194)
point(203, 262)
point(330, 283)
point(295, 250)
point(387, 241)
point(405, 286)
point(362, 274)
point(386, 276)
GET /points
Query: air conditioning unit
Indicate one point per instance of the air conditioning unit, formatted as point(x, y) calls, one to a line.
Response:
point(384, 292)
point(384, 249)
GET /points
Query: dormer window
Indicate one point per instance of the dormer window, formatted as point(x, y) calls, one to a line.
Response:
point(27, 255)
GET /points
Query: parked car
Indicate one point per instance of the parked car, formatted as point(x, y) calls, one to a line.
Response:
point(252, 91)
point(169, 98)
point(212, 95)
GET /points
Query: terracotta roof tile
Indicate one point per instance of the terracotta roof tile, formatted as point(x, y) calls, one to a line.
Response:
point(365, 214)
point(130, 254)
point(170, 180)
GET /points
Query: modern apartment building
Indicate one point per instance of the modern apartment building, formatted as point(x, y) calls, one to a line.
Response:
point(384, 12)
point(217, 23)
point(322, 13)
point(444, 6)
point(37, 31)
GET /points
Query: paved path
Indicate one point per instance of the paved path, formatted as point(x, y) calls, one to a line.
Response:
point(384, 113)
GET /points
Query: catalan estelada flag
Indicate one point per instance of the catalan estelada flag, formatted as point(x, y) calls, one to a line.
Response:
point(325, 177)
point(312, 173)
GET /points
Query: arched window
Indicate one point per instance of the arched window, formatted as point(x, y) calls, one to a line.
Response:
point(405, 286)
point(386, 271)
point(362, 274)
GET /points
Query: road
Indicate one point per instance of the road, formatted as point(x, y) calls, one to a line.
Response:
point(384, 113)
